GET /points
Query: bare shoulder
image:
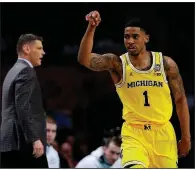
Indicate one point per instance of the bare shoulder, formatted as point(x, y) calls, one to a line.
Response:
point(174, 78)
point(103, 62)
point(170, 65)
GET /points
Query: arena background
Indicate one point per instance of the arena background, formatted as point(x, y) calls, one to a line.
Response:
point(83, 102)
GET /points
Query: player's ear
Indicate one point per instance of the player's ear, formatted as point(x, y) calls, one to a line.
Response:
point(147, 38)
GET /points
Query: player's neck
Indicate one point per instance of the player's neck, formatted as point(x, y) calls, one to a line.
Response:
point(144, 55)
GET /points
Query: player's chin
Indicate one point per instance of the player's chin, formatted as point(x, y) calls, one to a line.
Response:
point(133, 53)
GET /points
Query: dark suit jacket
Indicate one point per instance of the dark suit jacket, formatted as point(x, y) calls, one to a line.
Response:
point(23, 117)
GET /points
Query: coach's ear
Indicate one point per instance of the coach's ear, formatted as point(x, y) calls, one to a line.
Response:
point(26, 49)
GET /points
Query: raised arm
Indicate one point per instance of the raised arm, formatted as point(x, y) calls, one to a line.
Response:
point(177, 88)
point(93, 61)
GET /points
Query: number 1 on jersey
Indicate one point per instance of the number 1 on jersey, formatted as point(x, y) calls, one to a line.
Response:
point(146, 98)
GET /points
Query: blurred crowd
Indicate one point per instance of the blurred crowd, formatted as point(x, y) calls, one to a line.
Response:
point(69, 151)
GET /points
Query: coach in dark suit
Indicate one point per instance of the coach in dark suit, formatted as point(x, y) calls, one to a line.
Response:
point(22, 139)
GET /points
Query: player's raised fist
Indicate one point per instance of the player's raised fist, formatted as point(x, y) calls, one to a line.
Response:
point(93, 18)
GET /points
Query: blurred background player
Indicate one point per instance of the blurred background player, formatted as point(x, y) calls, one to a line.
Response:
point(51, 153)
point(66, 155)
point(143, 80)
point(106, 156)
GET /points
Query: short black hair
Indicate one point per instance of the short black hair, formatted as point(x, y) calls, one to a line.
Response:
point(26, 38)
point(115, 139)
point(137, 22)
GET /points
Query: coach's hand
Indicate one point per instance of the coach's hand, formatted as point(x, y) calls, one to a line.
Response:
point(184, 146)
point(94, 18)
point(38, 149)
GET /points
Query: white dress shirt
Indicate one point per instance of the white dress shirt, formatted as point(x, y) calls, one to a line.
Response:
point(52, 157)
point(26, 61)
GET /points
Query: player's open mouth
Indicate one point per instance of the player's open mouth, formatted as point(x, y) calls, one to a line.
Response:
point(132, 48)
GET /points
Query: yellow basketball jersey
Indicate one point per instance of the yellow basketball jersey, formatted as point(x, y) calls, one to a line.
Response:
point(145, 95)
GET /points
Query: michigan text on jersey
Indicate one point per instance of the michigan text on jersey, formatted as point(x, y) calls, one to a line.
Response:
point(145, 83)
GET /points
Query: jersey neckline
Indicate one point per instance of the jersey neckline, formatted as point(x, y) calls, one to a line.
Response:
point(140, 71)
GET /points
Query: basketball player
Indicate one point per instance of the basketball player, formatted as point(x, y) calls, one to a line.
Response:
point(143, 80)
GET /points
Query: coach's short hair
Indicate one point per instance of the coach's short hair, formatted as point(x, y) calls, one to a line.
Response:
point(26, 38)
point(136, 22)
